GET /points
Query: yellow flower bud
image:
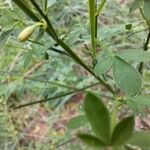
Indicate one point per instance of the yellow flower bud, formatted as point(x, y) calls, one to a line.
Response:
point(26, 33)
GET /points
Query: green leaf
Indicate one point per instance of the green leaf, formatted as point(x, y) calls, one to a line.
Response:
point(126, 76)
point(122, 131)
point(98, 116)
point(133, 105)
point(134, 55)
point(4, 36)
point(146, 10)
point(74, 35)
point(135, 5)
point(77, 122)
point(140, 138)
point(91, 140)
point(103, 65)
point(138, 103)
point(92, 12)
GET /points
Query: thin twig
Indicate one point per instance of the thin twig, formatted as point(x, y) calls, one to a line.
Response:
point(55, 97)
point(145, 48)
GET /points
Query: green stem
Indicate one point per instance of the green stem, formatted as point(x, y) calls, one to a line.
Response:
point(92, 18)
point(48, 82)
point(96, 24)
point(45, 6)
point(50, 31)
point(144, 17)
point(52, 83)
point(101, 5)
point(114, 115)
point(145, 48)
point(54, 35)
point(74, 56)
point(26, 10)
point(50, 28)
point(55, 97)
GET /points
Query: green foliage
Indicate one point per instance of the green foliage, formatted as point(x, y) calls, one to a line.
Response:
point(141, 139)
point(98, 116)
point(122, 131)
point(91, 141)
point(103, 65)
point(134, 55)
point(77, 122)
point(138, 103)
point(26, 7)
point(126, 77)
point(42, 67)
point(4, 36)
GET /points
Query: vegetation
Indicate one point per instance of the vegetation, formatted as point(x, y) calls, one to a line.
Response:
point(74, 74)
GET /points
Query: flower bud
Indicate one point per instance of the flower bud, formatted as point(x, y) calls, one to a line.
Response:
point(26, 33)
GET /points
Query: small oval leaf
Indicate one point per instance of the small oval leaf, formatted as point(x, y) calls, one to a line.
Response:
point(103, 65)
point(126, 77)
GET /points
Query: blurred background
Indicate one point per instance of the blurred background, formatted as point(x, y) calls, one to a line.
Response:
point(33, 71)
